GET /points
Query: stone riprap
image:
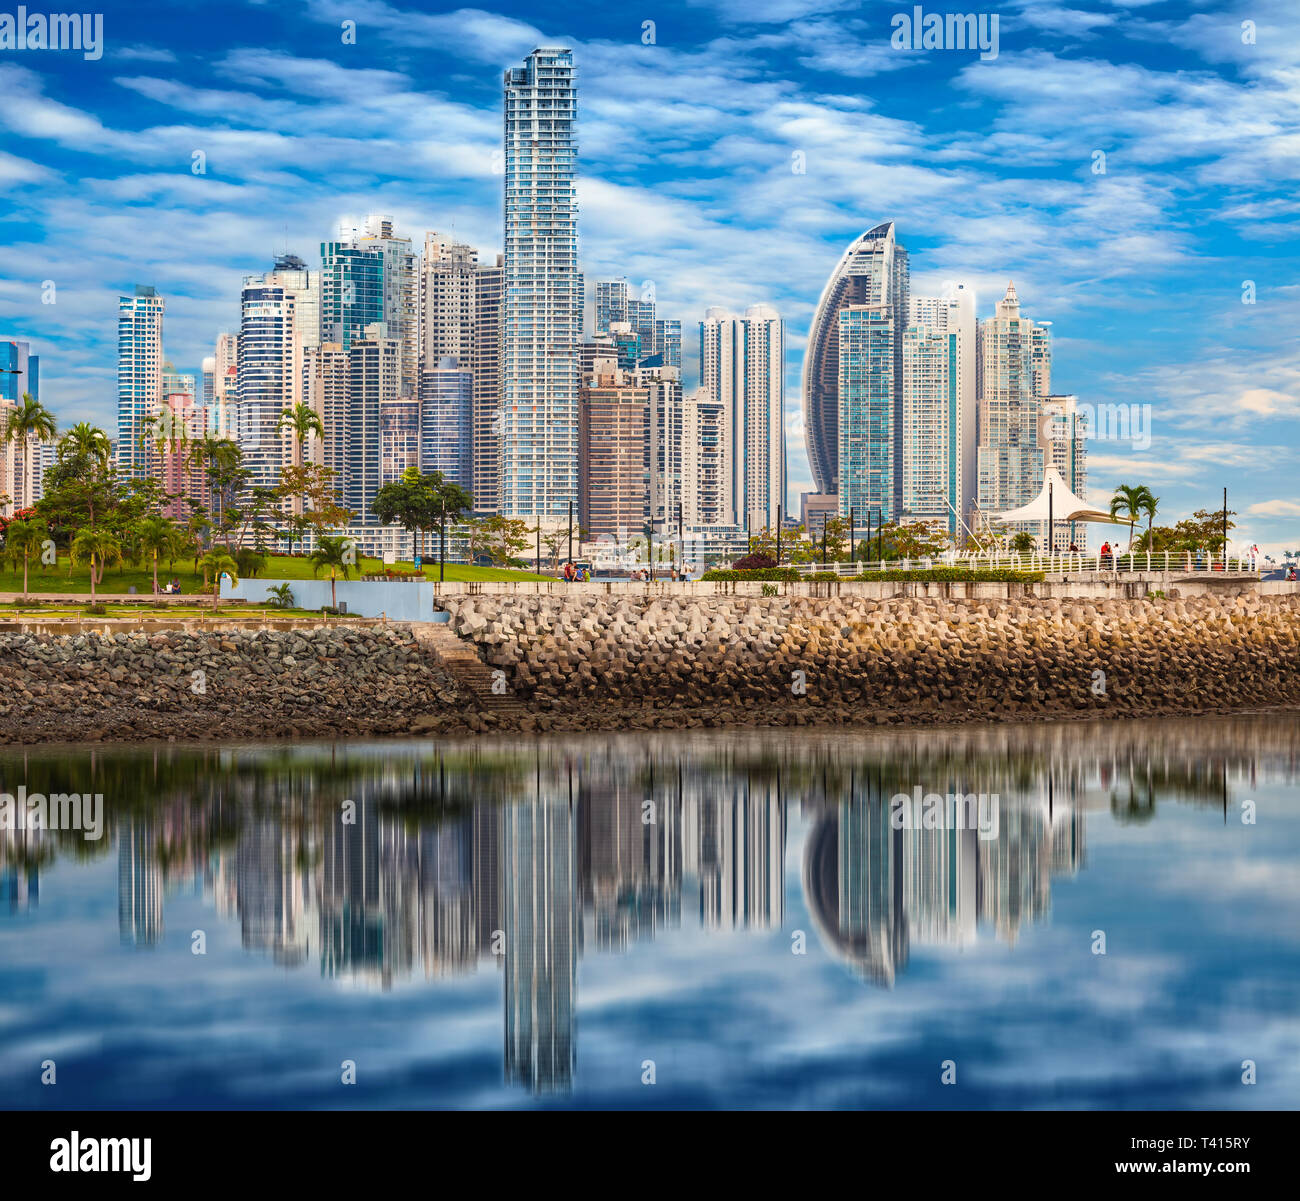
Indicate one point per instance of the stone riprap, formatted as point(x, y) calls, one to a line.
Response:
point(226, 684)
point(605, 662)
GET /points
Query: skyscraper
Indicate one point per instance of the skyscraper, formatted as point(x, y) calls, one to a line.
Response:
point(939, 431)
point(1015, 374)
point(742, 364)
point(448, 300)
point(22, 465)
point(327, 382)
point(351, 288)
point(873, 271)
point(658, 340)
point(615, 459)
point(374, 382)
point(542, 303)
point(139, 375)
point(485, 363)
point(446, 420)
point(269, 375)
point(1065, 441)
point(20, 371)
point(399, 291)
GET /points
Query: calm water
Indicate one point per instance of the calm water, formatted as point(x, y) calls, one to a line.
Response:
point(739, 914)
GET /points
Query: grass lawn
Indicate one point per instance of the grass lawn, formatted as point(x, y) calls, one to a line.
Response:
point(278, 567)
point(149, 612)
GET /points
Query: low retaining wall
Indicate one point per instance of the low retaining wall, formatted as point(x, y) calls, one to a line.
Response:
point(856, 659)
point(581, 660)
point(401, 601)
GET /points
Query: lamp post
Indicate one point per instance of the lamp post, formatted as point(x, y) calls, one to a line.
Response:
point(853, 550)
point(570, 531)
point(778, 535)
point(1050, 530)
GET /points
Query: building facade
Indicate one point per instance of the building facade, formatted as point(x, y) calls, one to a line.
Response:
point(139, 376)
point(541, 319)
point(742, 364)
point(1015, 373)
point(874, 272)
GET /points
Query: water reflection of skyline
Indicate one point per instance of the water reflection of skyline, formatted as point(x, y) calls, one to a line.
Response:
point(530, 857)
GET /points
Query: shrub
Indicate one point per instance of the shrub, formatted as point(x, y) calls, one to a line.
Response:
point(754, 563)
point(915, 575)
point(953, 575)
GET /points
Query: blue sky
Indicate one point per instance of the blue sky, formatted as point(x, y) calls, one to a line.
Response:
point(687, 179)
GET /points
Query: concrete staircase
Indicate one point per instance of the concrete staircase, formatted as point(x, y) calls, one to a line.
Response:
point(467, 669)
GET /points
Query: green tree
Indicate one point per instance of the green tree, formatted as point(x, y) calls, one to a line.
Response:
point(249, 563)
point(335, 555)
point(1129, 503)
point(502, 539)
point(98, 547)
point(303, 421)
point(155, 536)
point(1149, 504)
point(215, 564)
point(23, 539)
point(28, 422)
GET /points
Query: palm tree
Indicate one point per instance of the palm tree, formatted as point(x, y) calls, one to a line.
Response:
point(155, 536)
point(25, 538)
point(88, 440)
point(1130, 503)
point(1149, 505)
point(100, 548)
point(215, 564)
point(332, 554)
point(28, 421)
point(302, 420)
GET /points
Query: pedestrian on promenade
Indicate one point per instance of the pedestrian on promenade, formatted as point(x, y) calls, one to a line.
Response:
point(1105, 556)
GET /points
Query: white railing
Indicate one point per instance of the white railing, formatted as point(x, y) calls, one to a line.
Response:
point(1061, 563)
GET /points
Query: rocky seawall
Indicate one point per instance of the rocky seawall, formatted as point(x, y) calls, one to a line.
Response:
point(226, 684)
point(574, 662)
point(602, 663)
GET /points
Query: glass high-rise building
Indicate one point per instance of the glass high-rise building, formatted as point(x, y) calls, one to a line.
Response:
point(872, 272)
point(139, 375)
point(1015, 375)
point(742, 364)
point(20, 371)
point(939, 433)
point(446, 420)
point(542, 301)
point(351, 289)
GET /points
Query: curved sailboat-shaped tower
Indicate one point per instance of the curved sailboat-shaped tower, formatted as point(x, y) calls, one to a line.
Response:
point(873, 271)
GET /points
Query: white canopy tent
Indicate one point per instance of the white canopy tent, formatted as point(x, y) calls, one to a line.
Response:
point(1057, 503)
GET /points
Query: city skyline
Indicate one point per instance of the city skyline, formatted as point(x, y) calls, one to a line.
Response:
point(1089, 240)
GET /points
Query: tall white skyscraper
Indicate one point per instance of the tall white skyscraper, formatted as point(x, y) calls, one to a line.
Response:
point(374, 383)
point(485, 363)
point(279, 319)
point(542, 300)
point(742, 364)
point(139, 375)
point(1015, 374)
point(939, 429)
